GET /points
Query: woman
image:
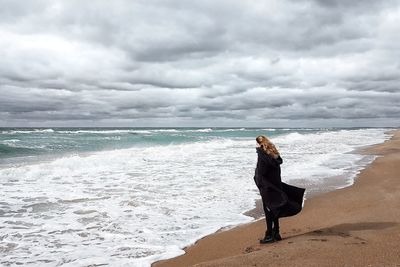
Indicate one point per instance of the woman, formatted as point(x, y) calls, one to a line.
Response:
point(279, 199)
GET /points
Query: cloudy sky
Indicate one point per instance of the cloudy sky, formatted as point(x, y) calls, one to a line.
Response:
point(200, 63)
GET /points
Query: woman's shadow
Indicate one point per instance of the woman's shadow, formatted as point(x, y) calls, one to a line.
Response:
point(340, 230)
point(345, 230)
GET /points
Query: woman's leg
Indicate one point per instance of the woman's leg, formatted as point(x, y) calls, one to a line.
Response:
point(272, 233)
point(276, 224)
point(269, 221)
point(276, 233)
point(268, 217)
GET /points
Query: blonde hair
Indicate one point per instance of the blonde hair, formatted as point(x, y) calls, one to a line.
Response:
point(267, 146)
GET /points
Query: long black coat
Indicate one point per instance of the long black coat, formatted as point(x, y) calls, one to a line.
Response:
point(282, 199)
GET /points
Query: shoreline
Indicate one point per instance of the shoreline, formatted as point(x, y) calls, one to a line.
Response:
point(217, 249)
point(335, 182)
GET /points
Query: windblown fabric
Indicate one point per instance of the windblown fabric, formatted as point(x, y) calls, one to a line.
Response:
point(281, 199)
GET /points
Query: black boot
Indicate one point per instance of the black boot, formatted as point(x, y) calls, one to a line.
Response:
point(275, 236)
point(268, 238)
point(268, 234)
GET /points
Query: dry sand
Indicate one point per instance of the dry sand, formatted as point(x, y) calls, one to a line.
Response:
point(353, 226)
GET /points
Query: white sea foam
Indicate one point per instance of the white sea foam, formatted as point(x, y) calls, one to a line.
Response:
point(205, 130)
point(10, 142)
point(325, 154)
point(130, 207)
point(166, 130)
point(142, 202)
point(28, 131)
point(232, 130)
point(118, 131)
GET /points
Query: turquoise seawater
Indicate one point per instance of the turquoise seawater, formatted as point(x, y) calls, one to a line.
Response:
point(23, 142)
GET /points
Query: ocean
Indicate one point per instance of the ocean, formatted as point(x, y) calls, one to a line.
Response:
point(132, 196)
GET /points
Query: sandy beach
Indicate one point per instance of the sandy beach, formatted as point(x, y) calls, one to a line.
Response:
point(354, 226)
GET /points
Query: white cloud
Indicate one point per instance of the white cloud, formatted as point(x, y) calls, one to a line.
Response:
point(223, 63)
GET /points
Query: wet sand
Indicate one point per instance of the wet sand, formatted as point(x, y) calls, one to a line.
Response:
point(354, 226)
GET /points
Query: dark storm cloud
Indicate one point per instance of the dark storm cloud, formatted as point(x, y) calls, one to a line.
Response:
point(198, 63)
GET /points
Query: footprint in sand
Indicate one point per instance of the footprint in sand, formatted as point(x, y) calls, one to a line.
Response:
point(250, 249)
point(361, 241)
point(330, 232)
